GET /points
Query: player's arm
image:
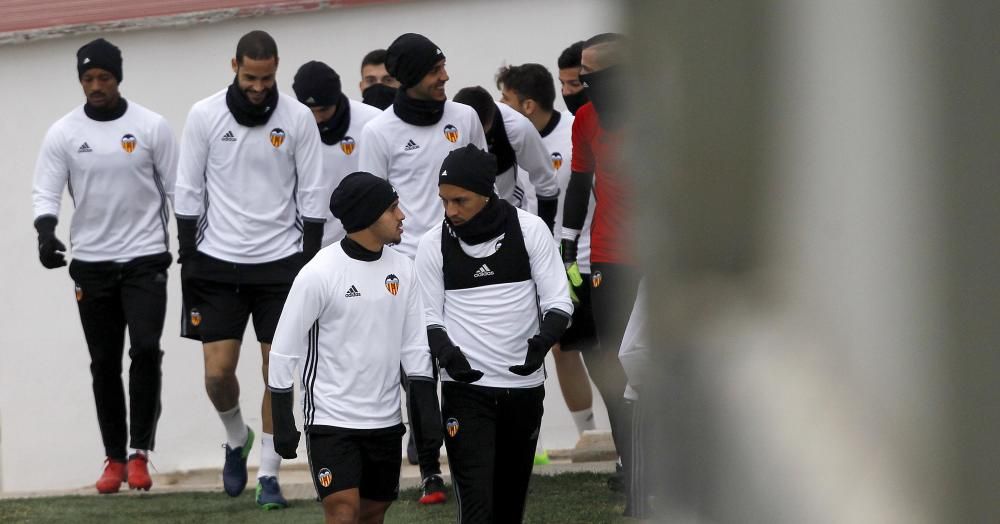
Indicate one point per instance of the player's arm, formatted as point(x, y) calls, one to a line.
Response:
point(189, 201)
point(577, 192)
point(553, 295)
point(533, 157)
point(422, 398)
point(373, 156)
point(313, 197)
point(165, 157)
point(296, 328)
point(51, 175)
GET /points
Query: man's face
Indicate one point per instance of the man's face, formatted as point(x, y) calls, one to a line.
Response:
point(372, 74)
point(323, 113)
point(256, 77)
point(513, 100)
point(569, 79)
point(460, 204)
point(100, 87)
point(388, 229)
point(431, 87)
point(590, 60)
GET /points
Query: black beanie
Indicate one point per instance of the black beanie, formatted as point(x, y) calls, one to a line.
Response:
point(100, 54)
point(360, 199)
point(470, 168)
point(479, 99)
point(410, 57)
point(317, 85)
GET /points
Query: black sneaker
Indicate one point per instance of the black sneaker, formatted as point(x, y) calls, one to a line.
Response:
point(432, 490)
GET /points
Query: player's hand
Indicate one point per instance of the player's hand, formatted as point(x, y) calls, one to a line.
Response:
point(286, 442)
point(575, 281)
point(51, 252)
point(454, 362)
point(537, 349)
point(568, 249)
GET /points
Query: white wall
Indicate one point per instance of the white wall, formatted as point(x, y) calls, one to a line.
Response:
point(49, 430)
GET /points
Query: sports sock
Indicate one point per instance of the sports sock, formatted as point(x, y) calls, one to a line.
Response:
point(584, 420)
point(236, 429)
point(143, 452)
point(270, 460)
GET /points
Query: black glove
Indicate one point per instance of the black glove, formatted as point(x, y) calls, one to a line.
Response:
point(550, 331)
point(312, 239)
point(450, 357)
point(50, 250)
point(569, 250)
point(187, 238)
point(286, 437)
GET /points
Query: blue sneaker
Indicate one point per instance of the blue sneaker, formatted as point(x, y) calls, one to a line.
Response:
point(269, 494)
point(234, 472)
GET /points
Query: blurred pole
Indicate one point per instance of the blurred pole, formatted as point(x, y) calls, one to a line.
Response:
point(820, 212)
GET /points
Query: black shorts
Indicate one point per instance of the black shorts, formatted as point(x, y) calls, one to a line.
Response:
point(220, 297)
point(367, 459)
point(581, 334)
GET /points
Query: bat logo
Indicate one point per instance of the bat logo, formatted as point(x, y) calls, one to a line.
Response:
point(347, 145)
point(392, 284)
point(277, 137)
point(595, 279)
point(452, 427)
point(557, 160)
point(128, 143)
point(325, 477)
point(195, 317)
point(79, 293)
point(451, 133)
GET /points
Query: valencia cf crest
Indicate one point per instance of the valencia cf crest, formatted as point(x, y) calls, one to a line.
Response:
point(557, 160)
point(325, 477)
point(195, 317)
point(277, 137)
point(451, 133)
point(79, 293)
point(392, 284)
point(595, 279)
point(452, 427)
point(128, 143)
point(347, 145)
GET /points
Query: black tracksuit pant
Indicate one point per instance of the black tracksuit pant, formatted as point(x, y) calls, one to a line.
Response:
point(491, 435)
point(112, 296)
point(612, 296)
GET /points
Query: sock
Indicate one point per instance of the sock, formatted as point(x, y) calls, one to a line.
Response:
point(270, 460)
point(236, 429)
point(143, 452)
point(584, 419)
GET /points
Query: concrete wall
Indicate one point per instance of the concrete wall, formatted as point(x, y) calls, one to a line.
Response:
point(49, 430)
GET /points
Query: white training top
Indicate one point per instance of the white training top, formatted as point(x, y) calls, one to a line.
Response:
point(120, 175)
point(559, 143)
point(349, 324)
point(410, 158)
point(340, 160)
point(492, 324)
point(532, 157)
point(250, 187)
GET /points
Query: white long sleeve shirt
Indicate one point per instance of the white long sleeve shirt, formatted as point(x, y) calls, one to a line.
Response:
point(532, 159)
point(410, 158)
point(492, 323)
point(559, 142)
point(340, 160)
point(349, 325)
point(120, 175)
point(250, 187)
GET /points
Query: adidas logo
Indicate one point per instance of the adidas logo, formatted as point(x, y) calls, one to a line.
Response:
point(84, 148)
point(352, 292)
point(86, 60)
point(229, 137)
point(410, 146)
point(483, 271)
point(310, 100)
point(444, 173)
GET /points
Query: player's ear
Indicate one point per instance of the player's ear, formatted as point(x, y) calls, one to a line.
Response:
point(236, 66)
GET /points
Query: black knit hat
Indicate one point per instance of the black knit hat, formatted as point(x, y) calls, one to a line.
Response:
point(100, 54)
point(410, 57)
point(360, 199)
point(470, 168)
point(317, 85)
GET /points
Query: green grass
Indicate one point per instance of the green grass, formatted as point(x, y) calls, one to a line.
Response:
point(570, 497)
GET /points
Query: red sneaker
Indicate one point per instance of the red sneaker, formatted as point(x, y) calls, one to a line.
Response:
point(432, 490)
point(138, 474)
point(112, 478)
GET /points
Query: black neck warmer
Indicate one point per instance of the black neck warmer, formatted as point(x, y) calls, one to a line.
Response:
point(359, 252)
point(106, 115)
point(334, 129)
point(417, 112)
point(499, 144)
point(247, 114)
point(604, 88)
point(576, 100)
point(488, 224)
point(551, 125)
point(378, 95)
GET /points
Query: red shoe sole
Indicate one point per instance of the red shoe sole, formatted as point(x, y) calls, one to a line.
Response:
point(108, 490)
point(438, 497)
